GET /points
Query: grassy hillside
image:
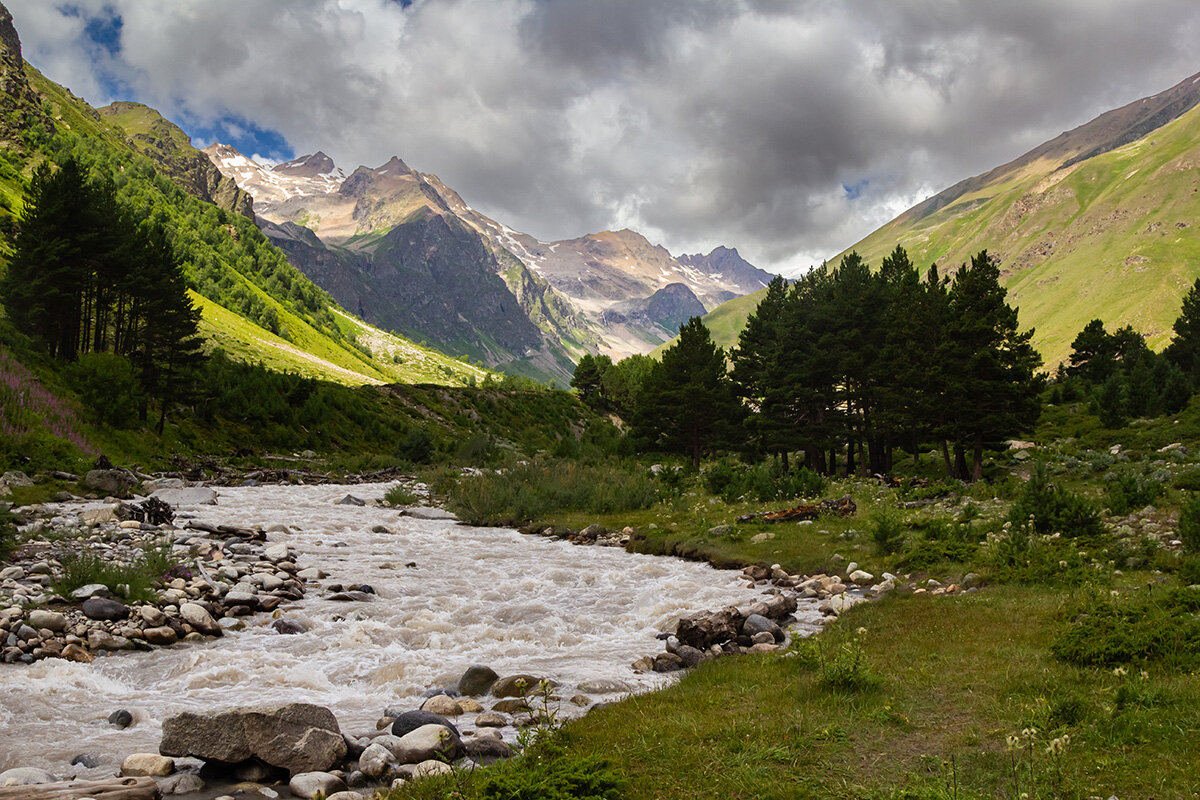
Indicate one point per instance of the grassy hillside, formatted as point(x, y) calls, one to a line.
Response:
point(255, 305)
point(1083, 229)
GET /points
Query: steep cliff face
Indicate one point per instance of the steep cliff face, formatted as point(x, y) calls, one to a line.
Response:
point(20, 106)
point(169, 147)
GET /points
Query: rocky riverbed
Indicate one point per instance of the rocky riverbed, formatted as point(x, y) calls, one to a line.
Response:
point(313, 599)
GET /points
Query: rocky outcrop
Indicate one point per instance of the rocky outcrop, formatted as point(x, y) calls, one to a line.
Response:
point(20, 107)
point(297, 737)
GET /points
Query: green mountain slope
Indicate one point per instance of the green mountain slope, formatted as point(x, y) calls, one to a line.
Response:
point(1098, 222)
point(255, 305)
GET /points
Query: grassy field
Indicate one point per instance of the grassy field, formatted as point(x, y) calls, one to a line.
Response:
point(1072, 672)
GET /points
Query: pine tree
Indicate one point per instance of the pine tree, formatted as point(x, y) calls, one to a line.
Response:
point(758, 377)
point(1184, 349)
point(687, 405)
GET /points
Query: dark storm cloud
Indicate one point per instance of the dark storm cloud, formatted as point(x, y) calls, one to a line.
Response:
point(787, 129)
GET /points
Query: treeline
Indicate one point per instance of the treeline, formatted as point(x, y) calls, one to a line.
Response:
point(87, 277)
point(844, 366)
point(1122, 378)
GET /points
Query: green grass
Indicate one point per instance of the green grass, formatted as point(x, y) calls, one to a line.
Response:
point(136, 580)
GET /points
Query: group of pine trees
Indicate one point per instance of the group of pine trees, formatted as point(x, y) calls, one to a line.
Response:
point(847, 364)
point(87, 277)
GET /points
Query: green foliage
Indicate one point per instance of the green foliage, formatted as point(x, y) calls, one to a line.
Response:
point(887, 530)
point(107, 385)
point(1150, 626)
point(1021, 555)
point(401, 495)
point(1129, 491)
point(1189, 571)
point(135, 581)
point(843, 664)
point(942, 541)
point(1054, 509)
point(548, 771)
point(530, 491)
point(8, 532)
point(764, 482)
point(1189, 523)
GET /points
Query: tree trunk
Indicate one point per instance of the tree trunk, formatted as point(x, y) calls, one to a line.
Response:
point(977, 459)
point(783, 460)
point(960, 461)
point(946, 458)
point(111, 789)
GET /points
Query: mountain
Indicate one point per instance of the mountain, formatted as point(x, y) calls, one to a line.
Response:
point(1099, 222)
point(255, 305)
point(397, 244)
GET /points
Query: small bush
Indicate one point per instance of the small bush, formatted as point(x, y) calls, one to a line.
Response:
point(1104, 631)
point(548, 772)
point(943, 541)
point(1129, 491)
point(400, 495)
point(887, 531)
point(1054, 509)
point(8, 533)
point(1189, 524)
point(134, 581)
point(1020, 555)
point(763, 482)
point(846, 668)
point(1189, 571)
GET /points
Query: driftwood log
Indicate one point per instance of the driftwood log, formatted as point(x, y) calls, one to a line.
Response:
point(111, 789)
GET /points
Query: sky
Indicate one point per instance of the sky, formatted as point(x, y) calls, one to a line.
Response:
point(789, 129)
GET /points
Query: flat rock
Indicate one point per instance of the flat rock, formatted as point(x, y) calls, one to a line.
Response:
point(26, 776)
point(147, 765)
point(91, 590)
point(309, 784)
point(188, 496)
point(427, 512)
point(50, 620)
point(277, 552)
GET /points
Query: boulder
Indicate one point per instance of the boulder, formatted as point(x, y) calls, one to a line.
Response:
point(427, 512)
point(152, 616)
point(91, 590)
point(277, 552)
point(163, 483)
point(190, 496)
point(604, 686)
point(147, 765)
point(377, 761)
point(513, 705)
point(26, 776)
point(430, 767)
point(116, 482)
point(756, 623)
point(199, 618)
point(491, 719)
point(183, 783)
point(162, 636)
point(515, 686)
point(309, 784)
point(707, 628)
point(103, 640)
point(50, 620)
point(91, 517)
point(477, 680)
point(351, 500)
point(409, 721)
point(298, 737)
point(427, 742)
point(15, 478)
point(287, 627)
point(861, 577)
point(487, 751)
point(667, 662)
point(120, 719)
point(441, 704)
point(103, 608)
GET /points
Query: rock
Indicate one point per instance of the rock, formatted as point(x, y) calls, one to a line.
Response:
point(103, 640)
point(15, 478)
point(443, 705)
point(152, 616)
point(103, 608)
point(720, 530)
point(147, 765)
point(409, 721)
point(427, 512)
point(11, 574)
point(121, 719)
point(277, 552)
point(163, 483)
point(581, 700)
point(839, 603)
point(311, 574)
point(199, 618)
point(298, 737)
point(705, 629)
point(861, 577)
point(347, 795)
point(689, 655)
point(667, 662)
point(468, 705)
point(969, 580)
point(763, 638)
point(515, 686)
point(487, 751)
point(309, 784)
point(477, 680)
point(288, 627)
point(162, 636)
point(91, 590)
point(50, 620)
point(377, 761)
point(429, 767)
point(191, 496)
point(491, 719)
point(604, 686)
point(116, 482)
point(515, 705)
point(756, 623)
point(351, 500)
point(73, 652)
point(87, 760)
point(26, 776)
point(183, 783)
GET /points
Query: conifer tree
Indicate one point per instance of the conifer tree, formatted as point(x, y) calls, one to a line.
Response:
point(1184, 349)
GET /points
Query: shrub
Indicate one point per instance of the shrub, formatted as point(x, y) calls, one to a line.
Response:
point(135, 581)
point(8, 533)
point(400, 495)
point(1189, 524)
point(1128, 491)
point(1021, 555)
point(1153, 626)
point(765, 481)
point(1054, 509)
point(548, 772)
point(943, 541)
point(846, 668)
point(1189, 571)
point(887, 531)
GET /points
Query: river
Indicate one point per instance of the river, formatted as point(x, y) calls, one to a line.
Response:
point(489, 596)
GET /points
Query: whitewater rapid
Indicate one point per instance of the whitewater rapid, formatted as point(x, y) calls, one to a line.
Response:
point(448, 596)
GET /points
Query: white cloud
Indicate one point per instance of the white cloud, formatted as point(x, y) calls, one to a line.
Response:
point(699, 122)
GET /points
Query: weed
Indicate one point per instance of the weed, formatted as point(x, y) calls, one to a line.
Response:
point(401, 495)
point(846, 668)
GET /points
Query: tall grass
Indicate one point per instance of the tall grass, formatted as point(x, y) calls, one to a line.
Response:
point(136, 580)
point(28, 409)
point(530, 491)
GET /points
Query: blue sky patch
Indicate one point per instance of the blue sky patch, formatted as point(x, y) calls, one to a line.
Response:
point(855, 190)
point(249, 138)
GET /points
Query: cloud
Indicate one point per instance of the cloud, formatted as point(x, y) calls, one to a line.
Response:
point(786, 129)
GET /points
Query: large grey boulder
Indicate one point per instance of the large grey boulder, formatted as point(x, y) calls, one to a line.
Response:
point(756, 623)
point(105, 609)
point(428, 742)
point(477, 680)
point(116, 482)
point(515, 686)
point(298, 737)
point(377, 761)
point(198, 617)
